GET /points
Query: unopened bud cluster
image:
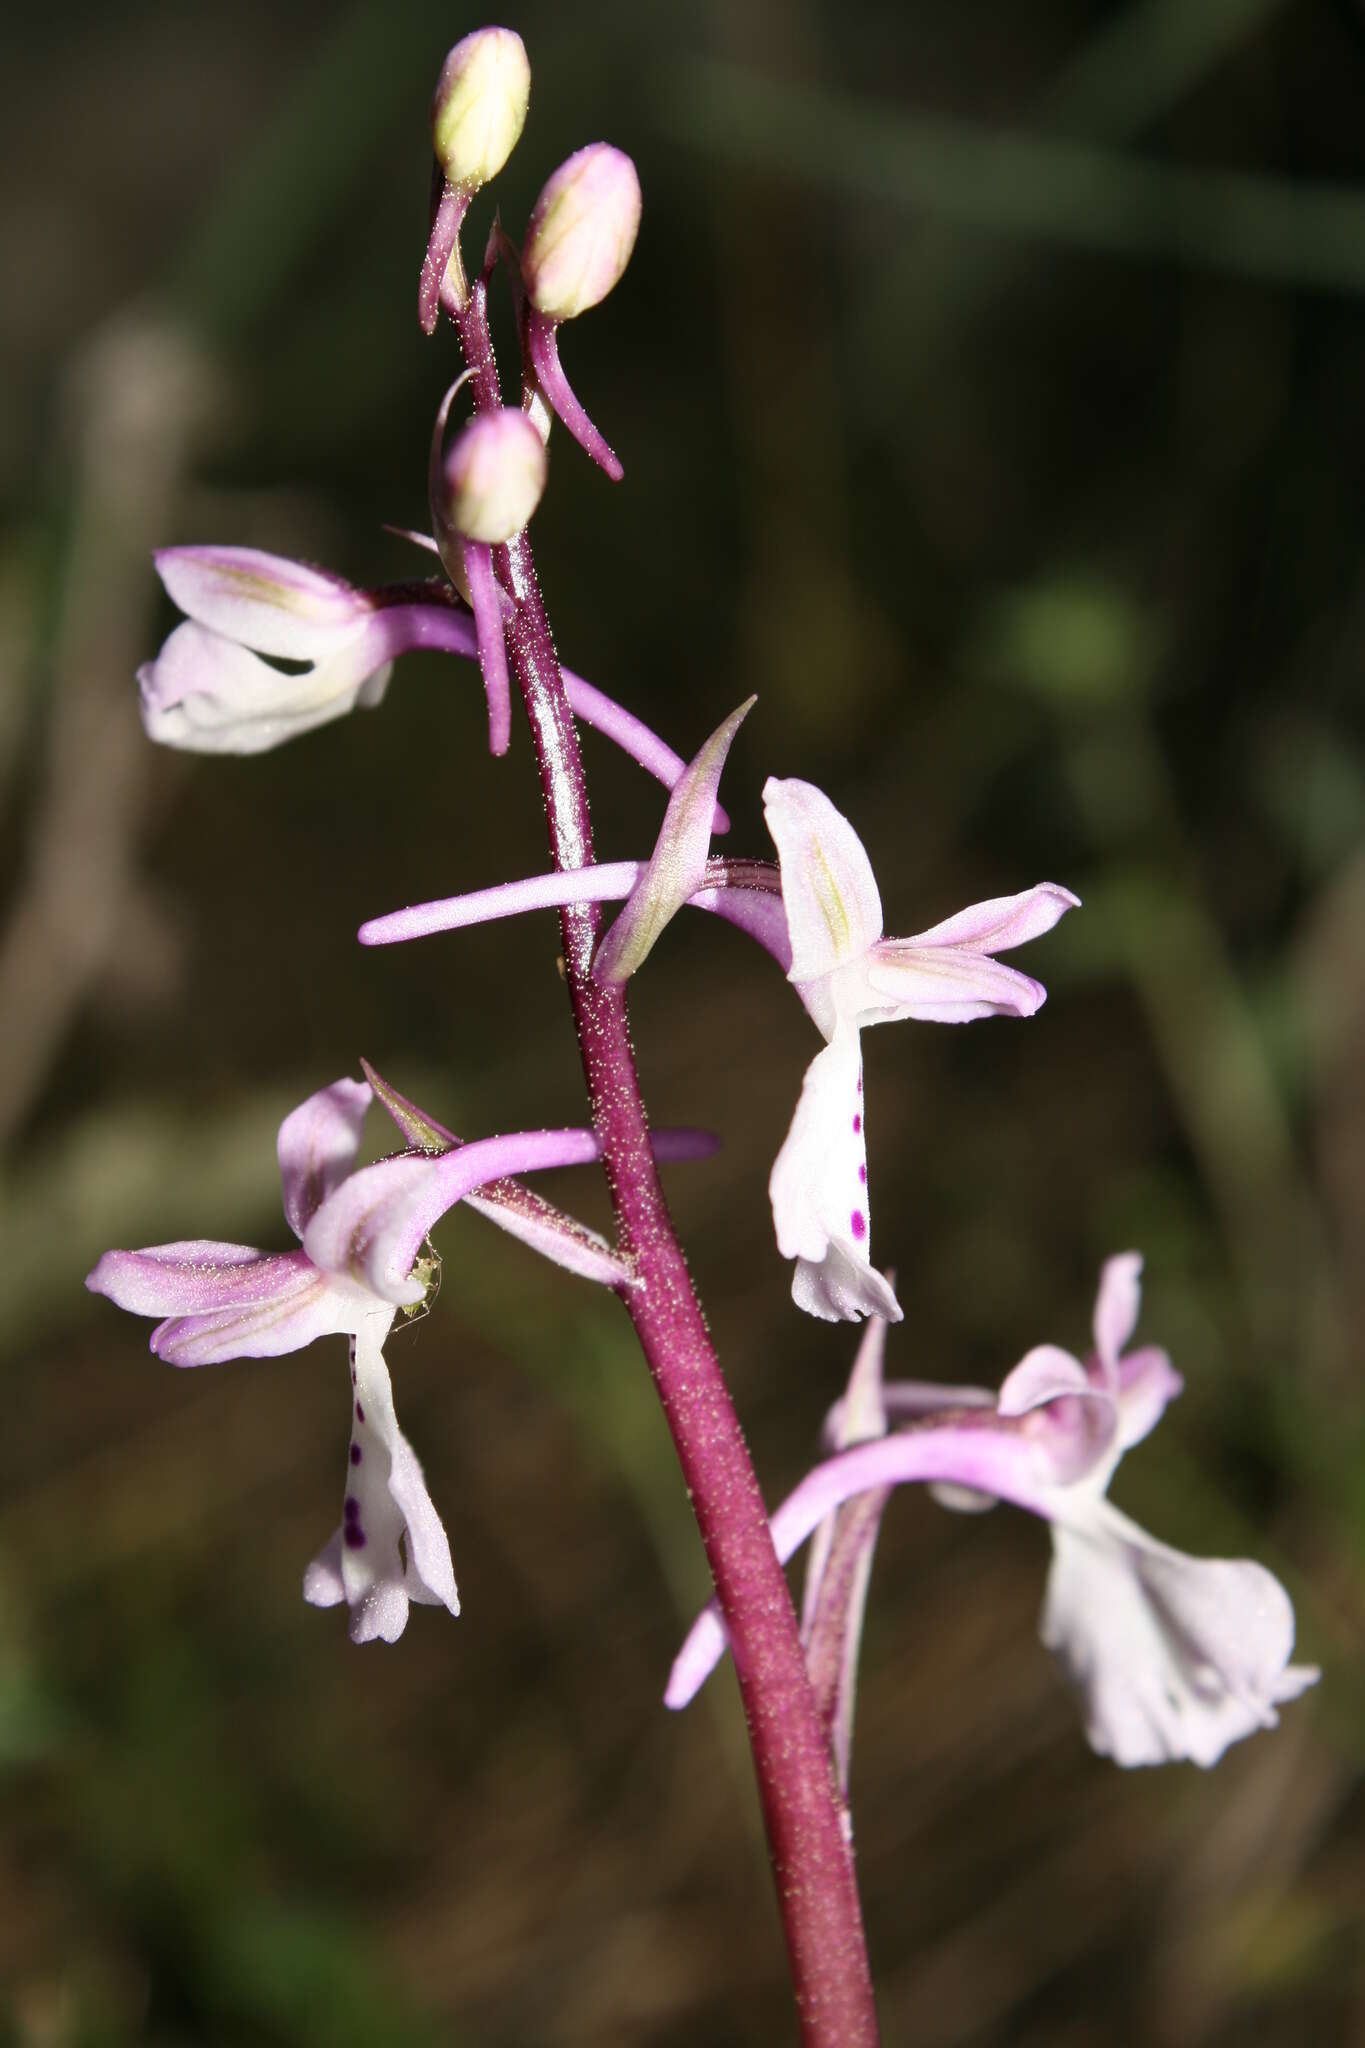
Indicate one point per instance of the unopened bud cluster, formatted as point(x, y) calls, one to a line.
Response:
point(578, 242)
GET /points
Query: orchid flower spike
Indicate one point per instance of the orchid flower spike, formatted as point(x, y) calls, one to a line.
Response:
point(1174, 1657)
point(360, 1261)
point(477, 115)
point(482, 492)
point(578, 242)
point(849, 976)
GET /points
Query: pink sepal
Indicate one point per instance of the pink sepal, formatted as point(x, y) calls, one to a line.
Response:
point(447, 217)
point(524, 1213)
point(1116, 1310)
point(227, 1301)
point(904, 979)
point(281, 608)
point(839, 1566)
point(317, 1147)
point(1147, 1383)
point(484, 597)
point(372, 1227)
point(1001, 922)
point(677, 867)
point(542, 348)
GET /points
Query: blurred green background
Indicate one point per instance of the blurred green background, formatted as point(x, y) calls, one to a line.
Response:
point(989, 383)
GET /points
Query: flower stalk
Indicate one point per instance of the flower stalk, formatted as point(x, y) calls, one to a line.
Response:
point(811, 1860)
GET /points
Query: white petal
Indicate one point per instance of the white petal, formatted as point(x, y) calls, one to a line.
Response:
point(1175, 1657)
point(818, 1189)
point(834, 912)
point(323, 1585)
point(843, 1287)
point(387, 1512)
point(209, 695)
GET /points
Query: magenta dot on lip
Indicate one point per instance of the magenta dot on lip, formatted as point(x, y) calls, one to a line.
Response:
point(862, 1173)
point(350, 1508)
point(355, 1537)
point(355, 1454)
point(857, 1123)
point(859, 1223)
point(359, 1412)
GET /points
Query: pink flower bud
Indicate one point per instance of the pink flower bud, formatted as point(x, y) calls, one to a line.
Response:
point(582, 230)
point(494, 476)
point(479, 109)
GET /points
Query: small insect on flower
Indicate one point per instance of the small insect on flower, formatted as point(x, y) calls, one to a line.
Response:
point(426, 1271)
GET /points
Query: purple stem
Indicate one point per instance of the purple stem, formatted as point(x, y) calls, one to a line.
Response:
point(812, 1865)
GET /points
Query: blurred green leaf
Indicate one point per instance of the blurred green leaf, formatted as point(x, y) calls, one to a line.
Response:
point(1077, 641)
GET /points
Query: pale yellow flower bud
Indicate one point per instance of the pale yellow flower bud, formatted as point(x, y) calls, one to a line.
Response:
point(479, 109)
point(582, 230)
point(494, 476)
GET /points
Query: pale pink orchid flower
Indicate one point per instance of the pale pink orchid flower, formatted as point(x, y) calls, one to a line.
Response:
point(210, 689)
point(820, 916)
point(849, 976)
point(1174, 1657)
point(214, 687)
point(359, 1263)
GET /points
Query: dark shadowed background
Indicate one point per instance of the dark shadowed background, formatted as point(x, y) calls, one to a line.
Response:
point(989, 384)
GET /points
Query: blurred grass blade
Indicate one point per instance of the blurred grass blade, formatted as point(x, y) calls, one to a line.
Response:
point(1014, 184)
point(269, 211)
point(1139, 65)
